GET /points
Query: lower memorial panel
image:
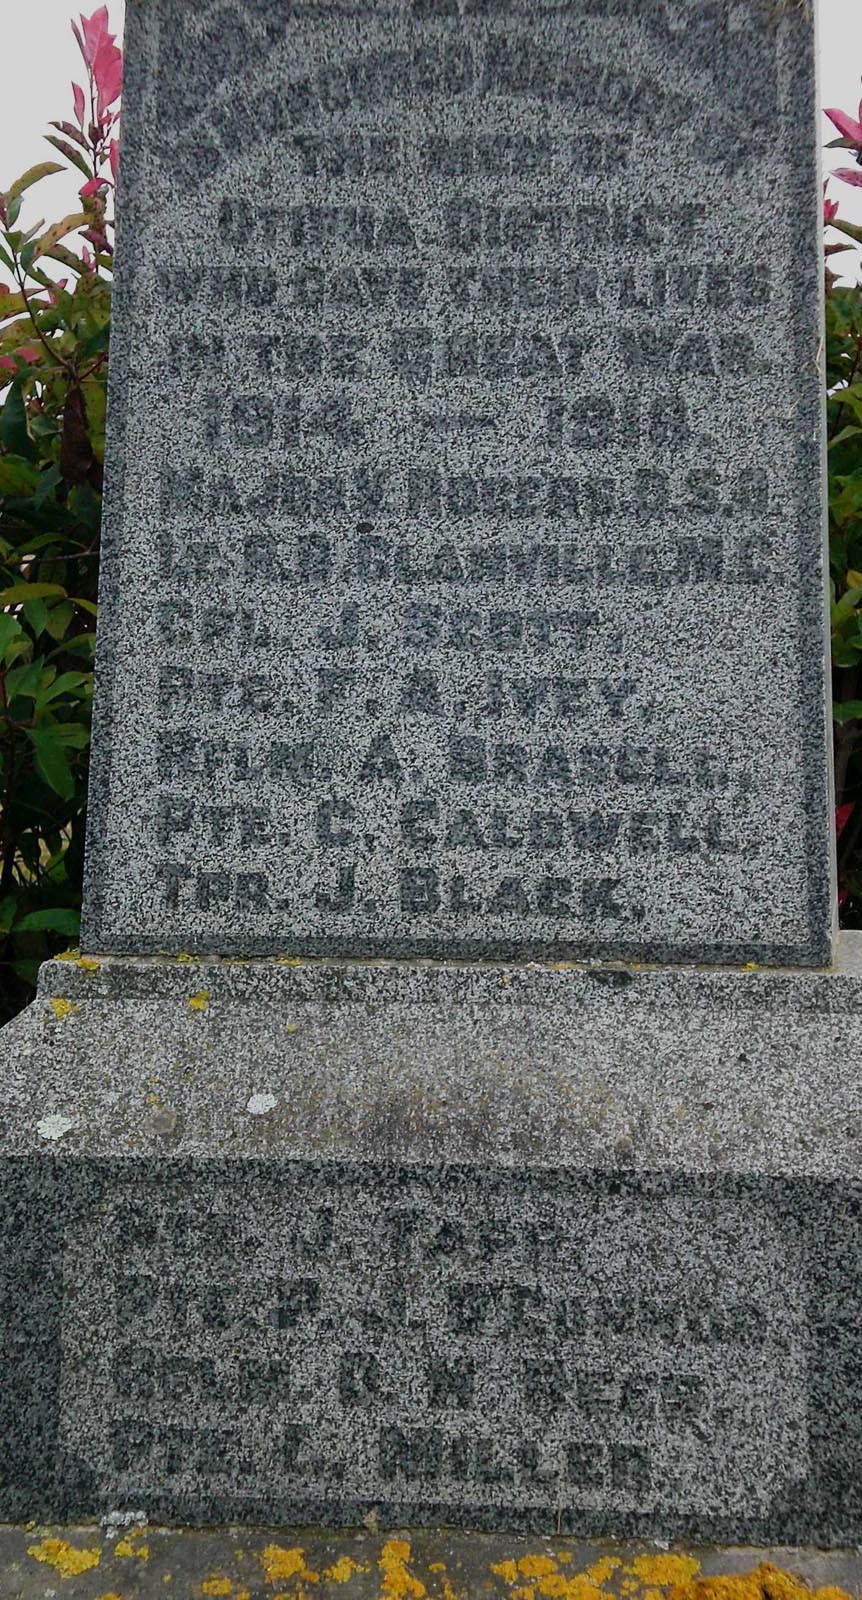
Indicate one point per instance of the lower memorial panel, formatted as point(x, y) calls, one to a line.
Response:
point(569, 1352)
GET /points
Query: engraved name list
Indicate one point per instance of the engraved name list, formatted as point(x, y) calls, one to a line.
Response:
point(472, 574)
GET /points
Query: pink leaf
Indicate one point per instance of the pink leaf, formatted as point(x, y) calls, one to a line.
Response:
point(95, 186)
point(846, 125)
point(95, 28)
point(108, 73)
point(28, 352)
point(114, 158)
point(851, 175)
point(80, 103)
point(830, 210)
point(7, 364)
point(88, 259)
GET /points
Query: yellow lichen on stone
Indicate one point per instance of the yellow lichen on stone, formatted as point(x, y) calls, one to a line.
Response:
point(88, 964)
point(217, 1586)
point(112, 1596)
point(63, 1009)
point(183, 959)
point(600, 1571)
point(127, 1547)
point(537, 1566)
point(279, 1563)
point(545, 1581)
point(64, 1557)
point(198, 1002)
point(741, 1586)
point(342, 1570)
point(398, 1582)
point(663, 1570)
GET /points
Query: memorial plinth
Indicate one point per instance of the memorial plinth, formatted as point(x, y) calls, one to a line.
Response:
point(454, 1113)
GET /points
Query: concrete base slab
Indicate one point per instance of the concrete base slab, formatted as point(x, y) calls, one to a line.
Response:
point(239, 1563)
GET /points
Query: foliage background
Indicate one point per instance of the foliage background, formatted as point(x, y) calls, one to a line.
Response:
point(53, 362)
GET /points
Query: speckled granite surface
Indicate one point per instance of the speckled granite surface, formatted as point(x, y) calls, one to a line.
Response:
point(572, 1250)
point(463, 578)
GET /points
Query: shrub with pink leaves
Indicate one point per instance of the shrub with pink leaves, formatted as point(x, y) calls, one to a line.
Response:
point(55, 306)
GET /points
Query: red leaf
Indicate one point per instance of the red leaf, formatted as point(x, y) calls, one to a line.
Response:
point(108, 73)
point(95, 29)
point(846, 125)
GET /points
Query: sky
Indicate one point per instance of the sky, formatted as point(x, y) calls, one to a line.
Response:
point(38, 43)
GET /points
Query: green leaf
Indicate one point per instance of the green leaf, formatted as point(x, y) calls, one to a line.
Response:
point(70, 153)
point(36, 616)
point(59, 230)
point(95, 346)
point(850, 228)
point(51, 762)
point(83, 644)
point(62, 685)
point(846, 433)
point(10, 630)
point(48, 482)
point(17, 476)
point(61, 920)
point(847, 710)
point(21, 592)
point(31, 176)
point(13, 424)
point(845, 653)
point(24, 682)
point(8, 907)
point(59, 619)
point(87, 505)
point(71, 735)
point(841, 610)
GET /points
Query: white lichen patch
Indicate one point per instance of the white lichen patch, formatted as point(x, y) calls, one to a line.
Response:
point(261, 1104)
point(55, 1127)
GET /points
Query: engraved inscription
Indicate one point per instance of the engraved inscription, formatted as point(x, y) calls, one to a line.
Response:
point(425, 1339)
point(472, 502)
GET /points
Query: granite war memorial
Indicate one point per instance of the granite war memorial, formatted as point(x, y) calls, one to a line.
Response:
point(454, 1113)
